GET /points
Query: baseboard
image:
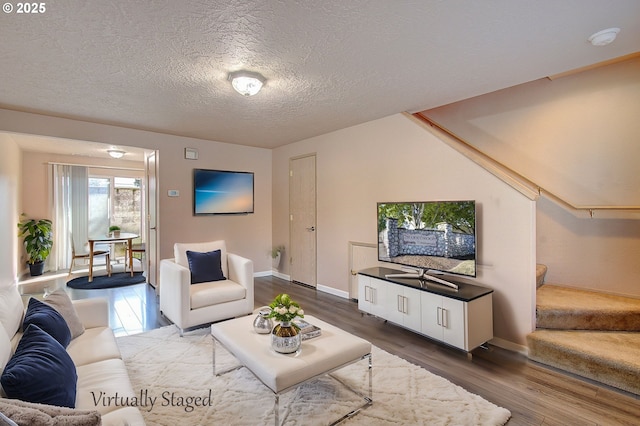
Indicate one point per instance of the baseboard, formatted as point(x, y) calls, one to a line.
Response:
point(282, 276)
point(510, 346)
point(272, 273)
point(331, 290)
point(319, 287)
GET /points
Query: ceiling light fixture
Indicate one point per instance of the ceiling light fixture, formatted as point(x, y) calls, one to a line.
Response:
point(246, 83)
point(116, 153)
point(604, 37)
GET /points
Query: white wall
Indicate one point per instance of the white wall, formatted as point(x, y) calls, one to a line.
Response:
point(394, 159)
point(592, 253)
point(574, 136)
point(387, 159)
point(10, 246)
point(577, 137)
point(247, 235)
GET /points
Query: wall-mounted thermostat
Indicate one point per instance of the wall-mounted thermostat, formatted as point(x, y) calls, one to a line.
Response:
point(173, 193)
point(191, 153)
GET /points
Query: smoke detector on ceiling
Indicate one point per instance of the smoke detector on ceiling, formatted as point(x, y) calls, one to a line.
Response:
point(604, 37)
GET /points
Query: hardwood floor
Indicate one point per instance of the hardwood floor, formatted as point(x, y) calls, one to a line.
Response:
point(535, 394)
point(132, 309)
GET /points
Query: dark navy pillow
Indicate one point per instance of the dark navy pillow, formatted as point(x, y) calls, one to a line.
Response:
point(40, 371)
point(48, 319)
point(205, 267)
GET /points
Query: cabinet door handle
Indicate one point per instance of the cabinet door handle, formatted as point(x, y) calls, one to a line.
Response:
point(405, 305)
point(374, 299)
point(366, 293)
point(438, 316)
point(445, 319)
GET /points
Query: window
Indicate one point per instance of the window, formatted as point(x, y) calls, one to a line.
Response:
point(127, 204)
point(115, 201)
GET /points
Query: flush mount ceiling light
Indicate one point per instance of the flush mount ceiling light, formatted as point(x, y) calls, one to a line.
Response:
point(246, 83)
point(604, 37)
point(116, 153)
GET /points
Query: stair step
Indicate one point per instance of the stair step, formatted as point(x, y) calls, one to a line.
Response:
point(609, 357)
point(576, 309)
point(541, 271)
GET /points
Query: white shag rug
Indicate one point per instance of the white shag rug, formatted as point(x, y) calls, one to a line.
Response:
point(178, 373)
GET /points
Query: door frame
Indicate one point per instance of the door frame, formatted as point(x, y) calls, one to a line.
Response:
point(152, 230)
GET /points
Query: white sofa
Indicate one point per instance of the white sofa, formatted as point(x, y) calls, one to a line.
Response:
point(94, 353)
point(189, 305)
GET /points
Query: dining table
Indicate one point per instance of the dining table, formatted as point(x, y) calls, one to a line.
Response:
point(111, 238)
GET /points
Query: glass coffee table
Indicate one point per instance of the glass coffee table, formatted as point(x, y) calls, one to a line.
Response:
point(319, 356)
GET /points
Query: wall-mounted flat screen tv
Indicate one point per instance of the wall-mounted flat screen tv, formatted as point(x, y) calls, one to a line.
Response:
point(222, 192)
point(429, 236)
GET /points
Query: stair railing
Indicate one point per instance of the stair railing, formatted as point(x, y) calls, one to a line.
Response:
point(512, 178)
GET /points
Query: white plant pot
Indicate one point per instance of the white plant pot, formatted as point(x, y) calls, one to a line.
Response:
point(276, 261)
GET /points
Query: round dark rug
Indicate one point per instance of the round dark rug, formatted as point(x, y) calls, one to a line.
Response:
point(120, 279)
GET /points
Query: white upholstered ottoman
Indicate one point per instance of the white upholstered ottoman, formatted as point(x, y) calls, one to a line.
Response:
point(330, 351)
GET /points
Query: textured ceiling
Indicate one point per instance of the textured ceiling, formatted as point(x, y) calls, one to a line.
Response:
point(162, 65)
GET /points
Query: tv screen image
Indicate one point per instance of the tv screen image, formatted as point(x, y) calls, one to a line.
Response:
point(428, 236)
point(222, 192)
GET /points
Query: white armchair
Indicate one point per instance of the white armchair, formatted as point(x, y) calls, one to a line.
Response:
point(188, 305)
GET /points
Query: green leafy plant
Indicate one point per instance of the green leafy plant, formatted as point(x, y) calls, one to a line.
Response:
point(113, 228)
point(284, 309)
point(38, 238)
point(275, 251)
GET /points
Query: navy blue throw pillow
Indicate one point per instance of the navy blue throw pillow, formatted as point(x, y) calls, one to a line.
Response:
point(205, 267)
point(48, 319)
point(40, 371)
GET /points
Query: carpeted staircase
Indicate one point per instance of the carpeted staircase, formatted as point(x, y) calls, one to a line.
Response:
point(590, 334)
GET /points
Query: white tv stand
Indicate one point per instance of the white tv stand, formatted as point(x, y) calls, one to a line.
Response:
point(461, 317)
point(424, 275)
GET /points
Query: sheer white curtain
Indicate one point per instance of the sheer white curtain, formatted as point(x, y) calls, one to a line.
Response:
point(70, 206)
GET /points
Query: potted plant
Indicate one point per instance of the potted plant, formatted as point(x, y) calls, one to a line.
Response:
point(114, 230)
point(38, 240)
point(285, 337)
point(276, 253)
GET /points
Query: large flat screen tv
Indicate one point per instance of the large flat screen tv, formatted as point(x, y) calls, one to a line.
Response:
point(429, 237)
point(222, 192)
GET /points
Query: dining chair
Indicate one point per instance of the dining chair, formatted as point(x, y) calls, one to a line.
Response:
point(85, 254)
point(140, 249)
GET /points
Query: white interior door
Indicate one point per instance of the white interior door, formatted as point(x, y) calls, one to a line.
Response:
point(151, 255)
point(302, 209)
